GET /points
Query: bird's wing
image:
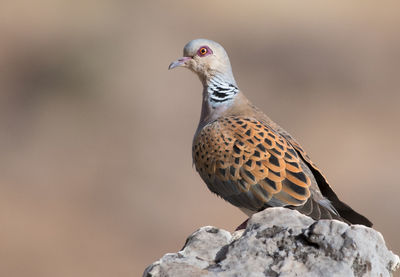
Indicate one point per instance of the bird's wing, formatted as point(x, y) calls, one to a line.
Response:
point(249, 164)
point(344, 210)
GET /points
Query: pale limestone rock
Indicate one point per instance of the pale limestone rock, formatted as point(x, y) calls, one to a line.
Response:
point(281, 242)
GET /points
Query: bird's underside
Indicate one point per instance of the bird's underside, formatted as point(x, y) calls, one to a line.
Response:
point(253, 166)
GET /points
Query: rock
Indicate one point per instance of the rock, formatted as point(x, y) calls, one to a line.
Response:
point(281, 242)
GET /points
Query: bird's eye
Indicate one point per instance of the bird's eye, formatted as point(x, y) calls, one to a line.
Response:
point(202, 51)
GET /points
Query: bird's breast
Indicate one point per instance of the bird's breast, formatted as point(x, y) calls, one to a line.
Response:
point(212, 148)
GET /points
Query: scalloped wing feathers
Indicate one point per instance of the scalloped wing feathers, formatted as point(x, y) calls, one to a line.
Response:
point(250, 165)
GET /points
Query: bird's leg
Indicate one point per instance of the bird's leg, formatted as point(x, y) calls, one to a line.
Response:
point(242, 226)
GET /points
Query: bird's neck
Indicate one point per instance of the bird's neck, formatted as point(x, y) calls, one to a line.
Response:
point(220, 90)
point(221, 97)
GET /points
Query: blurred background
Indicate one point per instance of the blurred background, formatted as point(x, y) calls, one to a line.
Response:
point(96, 176)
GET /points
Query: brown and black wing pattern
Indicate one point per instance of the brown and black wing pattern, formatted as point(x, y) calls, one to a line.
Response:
point(344, 210)
point(250, 165)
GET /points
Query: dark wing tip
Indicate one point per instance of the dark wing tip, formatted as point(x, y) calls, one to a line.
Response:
point(352, 216)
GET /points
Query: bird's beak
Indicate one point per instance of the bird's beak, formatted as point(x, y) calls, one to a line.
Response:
point(180, 62)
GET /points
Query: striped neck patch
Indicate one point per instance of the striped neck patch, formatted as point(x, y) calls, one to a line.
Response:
point(219, 90)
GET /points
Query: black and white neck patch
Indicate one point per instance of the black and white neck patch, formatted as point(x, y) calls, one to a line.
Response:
point(219, 90)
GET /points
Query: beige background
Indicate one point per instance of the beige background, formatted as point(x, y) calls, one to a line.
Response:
point(96, 177)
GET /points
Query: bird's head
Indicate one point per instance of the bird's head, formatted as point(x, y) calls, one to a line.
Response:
point(207, 59)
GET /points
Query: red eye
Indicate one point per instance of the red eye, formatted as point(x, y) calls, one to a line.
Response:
point(203, 51)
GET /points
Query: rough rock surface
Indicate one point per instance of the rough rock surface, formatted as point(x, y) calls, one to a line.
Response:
point(281, 242)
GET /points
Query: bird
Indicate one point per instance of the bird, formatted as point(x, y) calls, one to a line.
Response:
point(246, 158)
